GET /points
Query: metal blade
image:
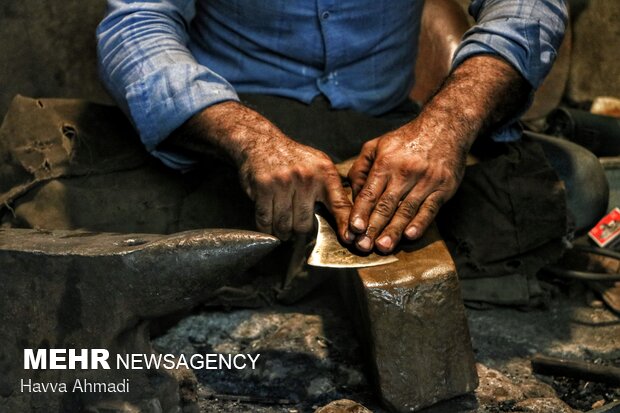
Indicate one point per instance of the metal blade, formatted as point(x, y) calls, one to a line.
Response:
point(329, 252)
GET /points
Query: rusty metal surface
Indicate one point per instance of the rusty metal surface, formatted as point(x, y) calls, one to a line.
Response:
point(414, 323)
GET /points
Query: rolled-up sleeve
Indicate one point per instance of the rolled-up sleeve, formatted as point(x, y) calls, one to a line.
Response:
point(526, 33)
point(146, 65)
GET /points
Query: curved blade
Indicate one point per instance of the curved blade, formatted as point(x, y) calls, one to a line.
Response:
point(329, 252)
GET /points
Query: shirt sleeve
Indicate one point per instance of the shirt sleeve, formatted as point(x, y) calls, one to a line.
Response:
point(526, 33)
point(146, 65)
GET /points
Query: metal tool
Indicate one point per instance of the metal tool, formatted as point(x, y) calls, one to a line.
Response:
point(329, 252)
point(553, 366)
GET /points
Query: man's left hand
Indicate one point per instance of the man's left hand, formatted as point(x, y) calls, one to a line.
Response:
point(400, 180)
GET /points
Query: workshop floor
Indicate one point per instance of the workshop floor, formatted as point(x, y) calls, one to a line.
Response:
point(310, 356)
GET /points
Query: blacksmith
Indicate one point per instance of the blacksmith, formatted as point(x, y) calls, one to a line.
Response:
point(284, 89)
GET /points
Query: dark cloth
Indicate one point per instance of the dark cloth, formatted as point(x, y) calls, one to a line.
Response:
point(74, 165)
point(509, 215)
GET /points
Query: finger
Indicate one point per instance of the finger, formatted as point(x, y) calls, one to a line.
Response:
point(303, 210)
point(386, 207)
point(403, 216)
point(264, 211)
point(425, 216)
point(335, 198)
point(361, 167)
point(283, 214)
point(366, 200)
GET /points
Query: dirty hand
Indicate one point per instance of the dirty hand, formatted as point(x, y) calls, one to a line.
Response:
point(400, 180)
point(284, 178)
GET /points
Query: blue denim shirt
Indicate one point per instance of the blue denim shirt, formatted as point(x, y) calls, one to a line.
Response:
point(164, 61)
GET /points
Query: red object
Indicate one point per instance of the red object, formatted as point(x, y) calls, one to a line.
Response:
point(607, 230)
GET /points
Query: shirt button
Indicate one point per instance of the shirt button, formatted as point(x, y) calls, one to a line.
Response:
point(325, 15)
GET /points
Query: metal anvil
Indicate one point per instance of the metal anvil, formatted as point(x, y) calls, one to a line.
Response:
point(76, 289)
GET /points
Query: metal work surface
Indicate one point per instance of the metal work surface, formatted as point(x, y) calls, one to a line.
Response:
point(76, 289)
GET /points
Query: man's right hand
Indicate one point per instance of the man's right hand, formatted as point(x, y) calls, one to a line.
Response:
point(284, 178)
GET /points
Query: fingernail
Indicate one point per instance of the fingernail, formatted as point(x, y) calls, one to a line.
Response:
point(358, 223)
point(411, 232)
point(349, 236)
point(385, 242)
point(365, 243)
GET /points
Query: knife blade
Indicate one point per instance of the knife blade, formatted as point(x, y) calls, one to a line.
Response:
point(329, 252)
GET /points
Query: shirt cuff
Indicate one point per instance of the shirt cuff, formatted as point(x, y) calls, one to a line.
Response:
point(163, 100)
point(509, 133)
point(175, 160)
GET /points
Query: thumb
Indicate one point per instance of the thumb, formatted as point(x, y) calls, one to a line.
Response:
point(361, 167)
point(337, 202)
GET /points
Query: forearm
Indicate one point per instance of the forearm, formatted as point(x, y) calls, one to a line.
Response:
point(284, 178)
point(146, 65)
point(482, 93)
point(228, 129)
point(401, 179)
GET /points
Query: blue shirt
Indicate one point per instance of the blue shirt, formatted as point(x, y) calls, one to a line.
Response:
point(164, 61)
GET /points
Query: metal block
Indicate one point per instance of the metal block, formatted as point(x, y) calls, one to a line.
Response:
point(414, 326)
point(72, 289)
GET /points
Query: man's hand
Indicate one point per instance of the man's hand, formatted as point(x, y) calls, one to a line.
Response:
point(401, 179)
point(284, 178)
